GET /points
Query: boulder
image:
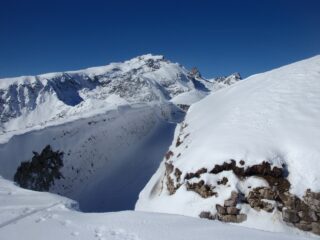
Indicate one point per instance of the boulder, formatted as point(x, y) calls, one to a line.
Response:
point(290, 215)
point(316, 228)
point(221, 210)
point(304, 226)
point(308, 216)
point(207, 215)
point(233, 210)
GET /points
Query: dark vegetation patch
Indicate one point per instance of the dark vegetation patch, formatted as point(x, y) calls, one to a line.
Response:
point(40, 173)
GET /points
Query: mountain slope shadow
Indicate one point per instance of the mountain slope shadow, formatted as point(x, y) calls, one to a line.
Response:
point(120, 189)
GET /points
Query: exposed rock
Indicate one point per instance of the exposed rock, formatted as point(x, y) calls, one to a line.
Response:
point(304, 226)
point(184, 107)
point(233, 218)
point(313, 200)
point(178, 143)
point(223, 181)
point(169, 168)
point(221, 210)
point(168, 155)
point(290, 215)
point(177, 174)
point(207, 215)
point(267, 193)
point(204, 190)
point(242, 162)
point(196, 174)
point(170, 185)
point(308, 216)
point(316, 228)
point(233, 210)
point(232, 201)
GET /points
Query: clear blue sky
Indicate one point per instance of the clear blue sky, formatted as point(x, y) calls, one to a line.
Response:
point(219, 37)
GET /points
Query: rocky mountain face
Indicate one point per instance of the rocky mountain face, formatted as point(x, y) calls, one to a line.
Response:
point(25, 101)
point(247, 154)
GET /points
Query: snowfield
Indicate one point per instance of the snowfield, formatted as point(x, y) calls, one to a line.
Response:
point(247, 153)
point(107, 120)
point(271, 117)
point(37, 216)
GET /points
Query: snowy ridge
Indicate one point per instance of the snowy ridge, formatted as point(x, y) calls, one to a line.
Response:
point(44, 100)
point(270, 120)
point(38, 215)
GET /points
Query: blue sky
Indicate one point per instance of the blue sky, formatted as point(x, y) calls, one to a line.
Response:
point(219, 37)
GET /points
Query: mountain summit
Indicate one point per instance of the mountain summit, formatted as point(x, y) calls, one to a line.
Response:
point(45, 99)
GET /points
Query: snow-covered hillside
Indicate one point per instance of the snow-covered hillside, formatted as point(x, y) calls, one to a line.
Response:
point(106, 120)
point(48, 99)
point(32, 215)
point(248, 154)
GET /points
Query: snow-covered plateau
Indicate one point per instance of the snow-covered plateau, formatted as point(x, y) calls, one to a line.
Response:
point(244, 152)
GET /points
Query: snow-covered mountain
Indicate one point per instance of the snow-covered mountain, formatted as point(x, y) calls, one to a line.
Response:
point(48, 99)
point(106, 120)
point(236, 157)
point(248, 154)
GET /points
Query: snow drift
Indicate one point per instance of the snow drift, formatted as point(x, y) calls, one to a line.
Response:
point(249, 153)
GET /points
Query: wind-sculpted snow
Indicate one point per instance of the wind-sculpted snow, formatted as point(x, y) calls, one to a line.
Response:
point(248, 153)
point(33, 215)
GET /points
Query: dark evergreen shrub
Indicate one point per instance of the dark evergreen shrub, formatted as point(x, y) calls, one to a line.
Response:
point(39, 173)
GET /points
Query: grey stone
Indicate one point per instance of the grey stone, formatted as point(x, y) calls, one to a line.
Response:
point(290, 215)
point(233, 210)
point(267, 193)
point(221, 210)
point(207, 215)
point(315, 228)
point(308, 216)
point(241, 217)
point(232, 218)
point(304, 226)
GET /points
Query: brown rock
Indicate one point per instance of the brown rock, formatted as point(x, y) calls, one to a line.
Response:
point(316, 228)
point(204, 190)
point(196, 174)
point(233, 210)
point(241, 217)
point(290, 215)
point(223, 181)
point(230, 203)
point(207, 215)
point(169, 168)
point(221, 210)
point(267, 193)
point(168, 155)
point(308, 216)
point(177, 174)
point(304, 226)
point(227, 218)
point(313, 200)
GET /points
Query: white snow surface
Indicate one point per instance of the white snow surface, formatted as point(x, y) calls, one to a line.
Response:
point(26, 214)
point(272, 116)
point(34, 102)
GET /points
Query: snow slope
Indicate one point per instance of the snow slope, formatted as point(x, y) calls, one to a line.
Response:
point(98, 150)
point(107, 120)
point(271, 117)
point(32, 215)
